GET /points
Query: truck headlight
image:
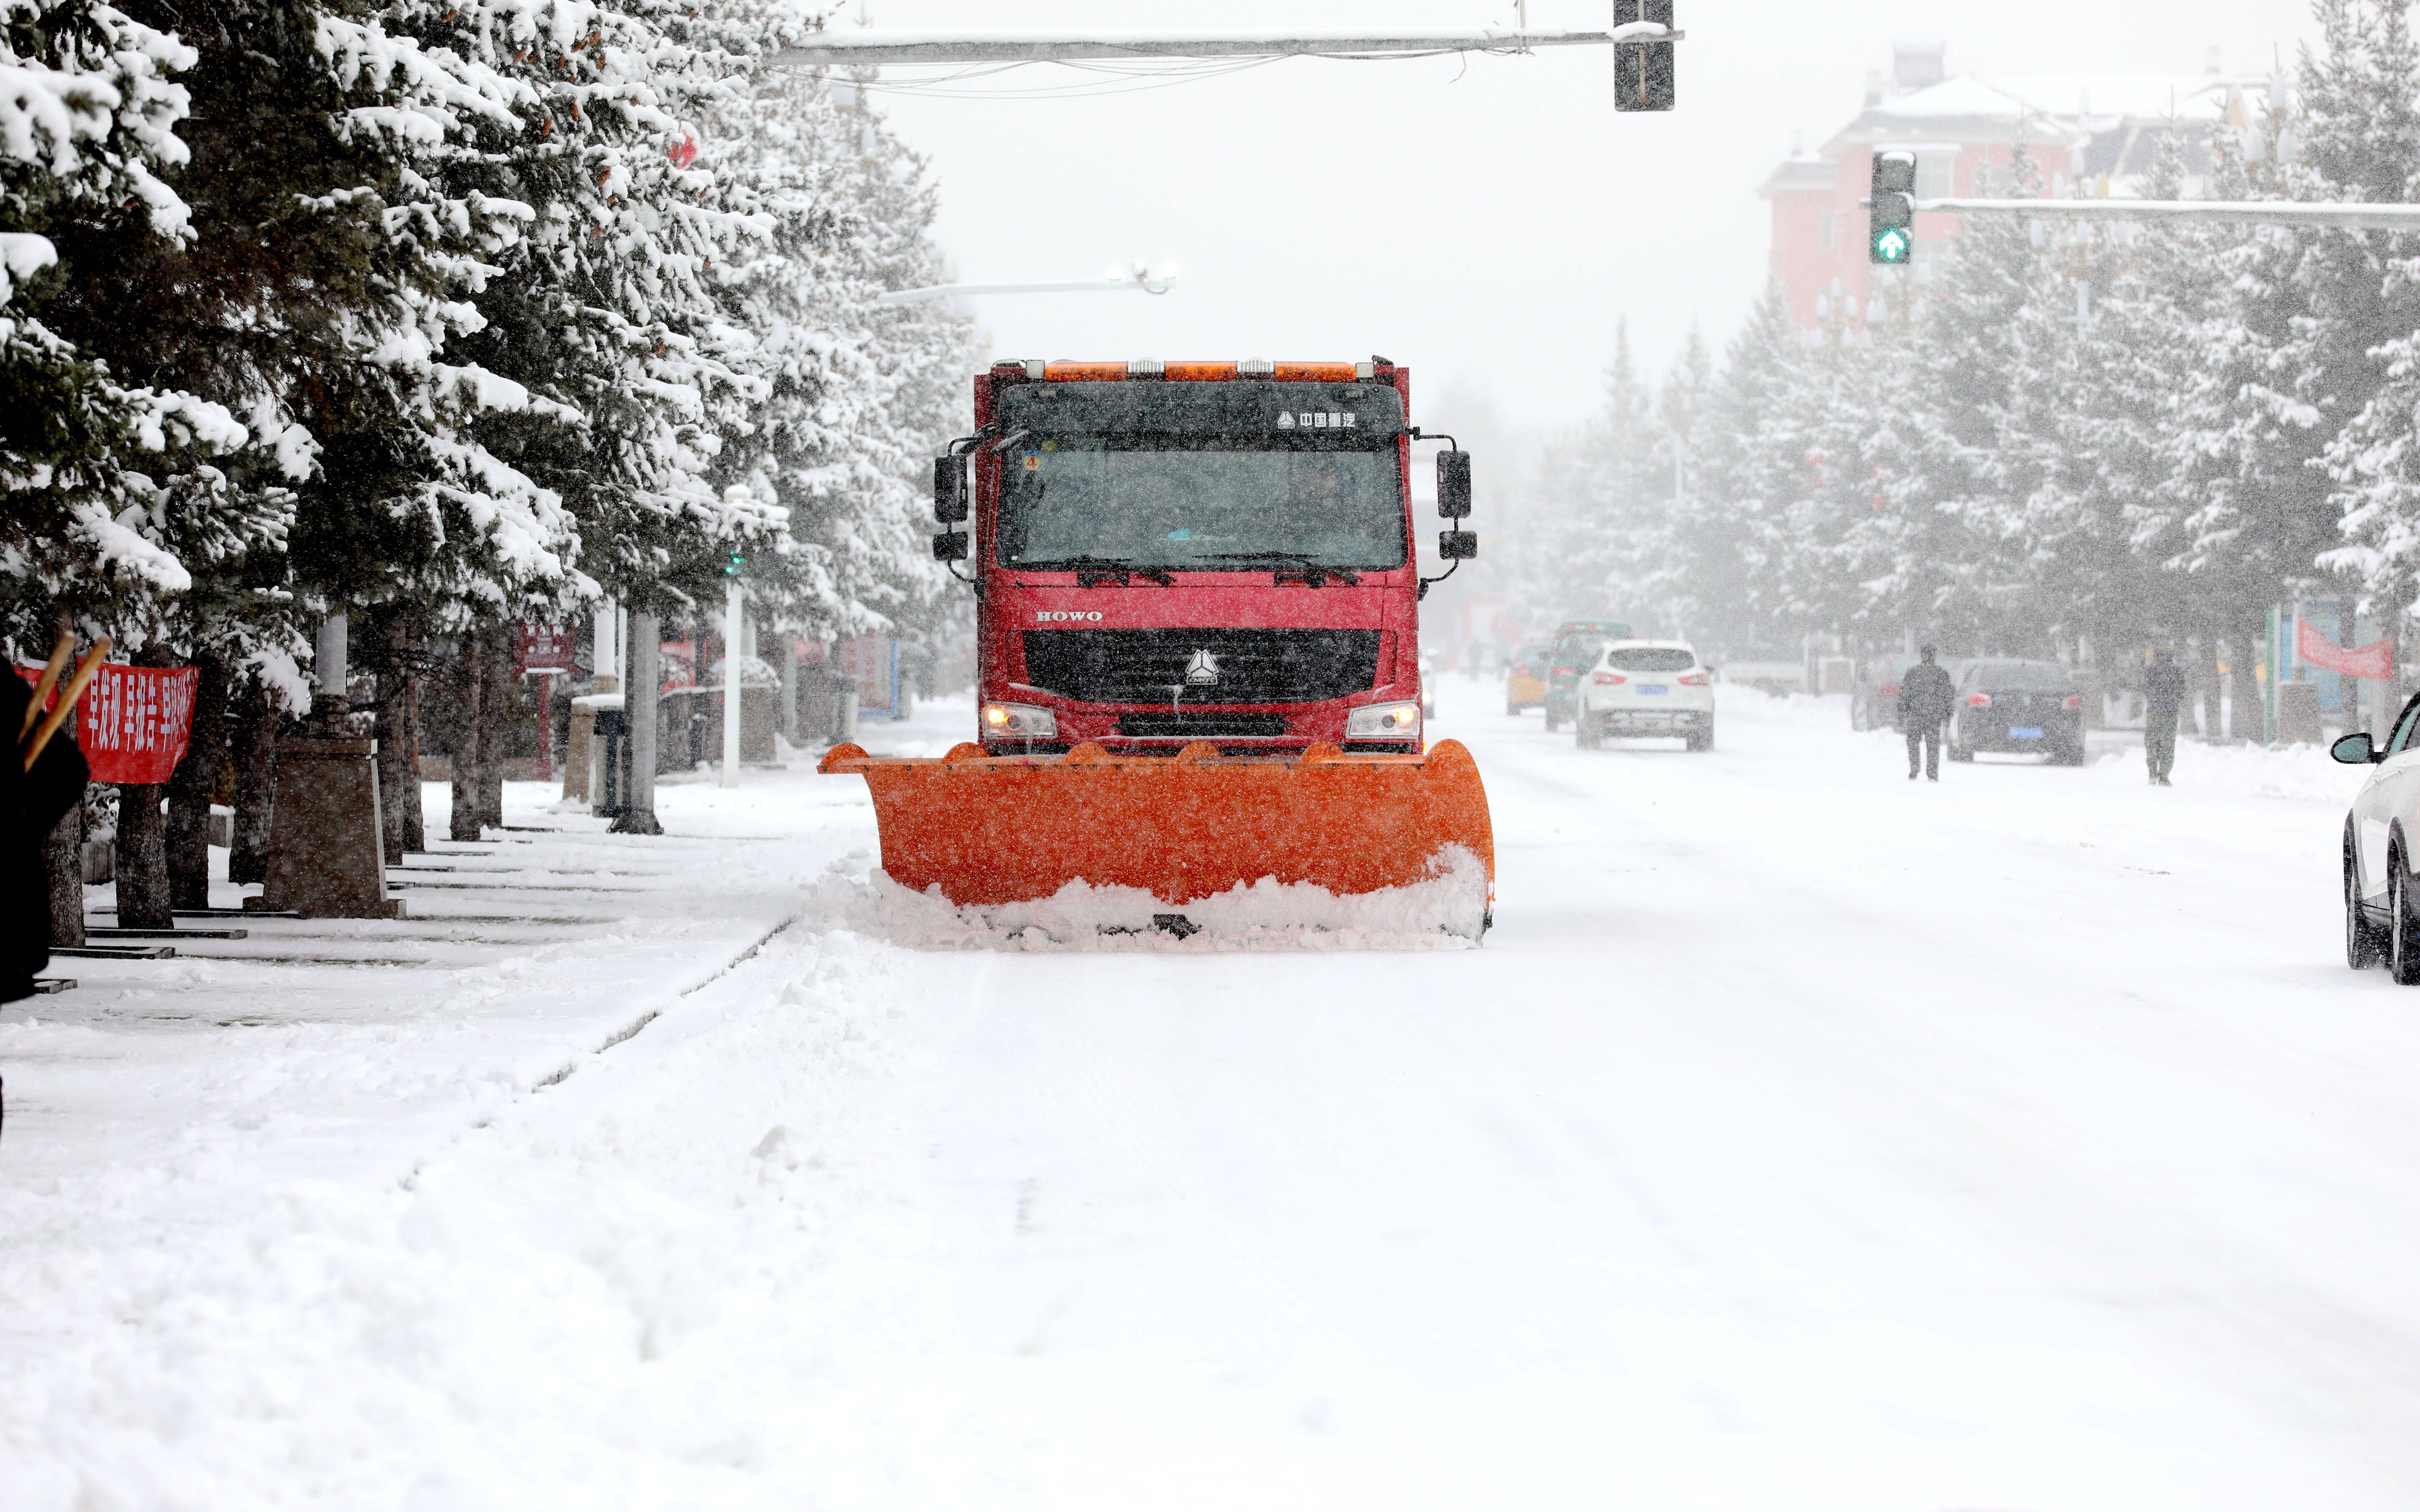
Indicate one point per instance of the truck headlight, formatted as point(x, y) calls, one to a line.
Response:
point(1018, 721)
point(1384, 721)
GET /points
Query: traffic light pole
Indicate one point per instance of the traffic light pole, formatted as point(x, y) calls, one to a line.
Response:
point(2345, 216)
point(872, 49)
point(1141, 281)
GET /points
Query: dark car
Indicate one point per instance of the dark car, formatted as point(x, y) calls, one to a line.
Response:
point(1577, 644)
point(2009, 705)
point(1873, 701)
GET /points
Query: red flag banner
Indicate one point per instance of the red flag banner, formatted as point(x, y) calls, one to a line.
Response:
point(134, 721)
point(2375, 661)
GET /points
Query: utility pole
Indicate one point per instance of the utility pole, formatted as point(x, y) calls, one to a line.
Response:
point(734, 612)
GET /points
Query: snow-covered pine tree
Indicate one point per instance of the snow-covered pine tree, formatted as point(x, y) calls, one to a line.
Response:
point(1746, 458)
point(2364, 132)
point(855, 395)
point(1608, 513)
point(2310, 339)
point(1953, 533)
point(112, 499)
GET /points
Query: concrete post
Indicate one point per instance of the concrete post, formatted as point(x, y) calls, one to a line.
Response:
point(332, 704)
point(640, 698)
point(605, 650)
point(735, 643)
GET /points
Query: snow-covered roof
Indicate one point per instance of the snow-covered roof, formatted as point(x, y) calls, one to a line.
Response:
point(1804, 170)
point(2080, 101)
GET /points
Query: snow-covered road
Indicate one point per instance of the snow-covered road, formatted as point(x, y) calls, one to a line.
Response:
point(1802, 1138)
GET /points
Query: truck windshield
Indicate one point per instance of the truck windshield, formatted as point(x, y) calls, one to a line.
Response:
point(1209, 502)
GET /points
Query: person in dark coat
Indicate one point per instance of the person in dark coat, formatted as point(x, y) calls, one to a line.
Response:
point(1925, 699)
point(2163, 698)
point(31, 803)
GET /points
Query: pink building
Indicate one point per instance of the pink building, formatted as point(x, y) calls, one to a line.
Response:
point(2089, 135)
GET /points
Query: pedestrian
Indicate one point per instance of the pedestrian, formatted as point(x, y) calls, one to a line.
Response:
point(2163, 698)
point(31, 804)
point(1925, 699)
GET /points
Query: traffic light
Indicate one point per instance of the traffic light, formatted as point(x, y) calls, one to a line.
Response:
point(734, 562)
point(1642, 72)
point(1891, 233)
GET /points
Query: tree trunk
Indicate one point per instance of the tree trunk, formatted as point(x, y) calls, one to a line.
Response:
point(63, 859)
point(499, 707)
point(142, 844)
point(469, 682)
point(192, 785)
point(255, 775)
point(143, 857)
point(399, 744)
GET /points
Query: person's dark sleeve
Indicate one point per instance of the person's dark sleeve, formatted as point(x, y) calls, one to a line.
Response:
point(31, 804)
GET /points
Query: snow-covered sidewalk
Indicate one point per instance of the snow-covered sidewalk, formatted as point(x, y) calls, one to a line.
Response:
point(181, 1133)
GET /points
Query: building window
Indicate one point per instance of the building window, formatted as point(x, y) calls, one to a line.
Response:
point(1935, 175)
point(1823, 229)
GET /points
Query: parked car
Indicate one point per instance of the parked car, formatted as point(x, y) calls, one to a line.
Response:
point(1873, 702)
point(1525, 681)
point(2009, 705)
point(1646, 688)
point(1577, 644)
point(2381, 836)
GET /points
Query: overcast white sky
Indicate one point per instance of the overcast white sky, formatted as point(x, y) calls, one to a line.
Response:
point(1485, 221)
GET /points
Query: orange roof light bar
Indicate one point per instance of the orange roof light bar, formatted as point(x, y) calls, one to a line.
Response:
point(1317, 372)
point(1183, 372)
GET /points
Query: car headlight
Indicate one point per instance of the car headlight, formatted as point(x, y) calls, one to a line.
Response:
point(1384, 721)
point(1018, 721)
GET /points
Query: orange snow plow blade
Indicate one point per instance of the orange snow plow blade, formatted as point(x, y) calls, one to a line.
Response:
point(1003, 829)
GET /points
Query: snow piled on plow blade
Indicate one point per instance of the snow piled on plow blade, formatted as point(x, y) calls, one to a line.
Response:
point(1446, 911)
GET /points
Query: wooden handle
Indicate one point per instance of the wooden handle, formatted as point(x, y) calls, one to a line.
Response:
point(60, 655)
point(85, 672)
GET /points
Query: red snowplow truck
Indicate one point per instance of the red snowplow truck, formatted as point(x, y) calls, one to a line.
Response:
point(1197, 631)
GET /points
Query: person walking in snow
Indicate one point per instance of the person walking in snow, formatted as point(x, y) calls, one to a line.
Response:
point(1925, 699)
point(2163, 698)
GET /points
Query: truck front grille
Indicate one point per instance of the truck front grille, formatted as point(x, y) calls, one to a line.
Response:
point(1152, 666)
point(1201, 726)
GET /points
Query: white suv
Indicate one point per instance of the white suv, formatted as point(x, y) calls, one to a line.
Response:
point(1647, 687)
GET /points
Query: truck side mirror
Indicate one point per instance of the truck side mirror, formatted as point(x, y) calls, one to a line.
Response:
point(1453, 484)
point(950, 490)
point(1457, 546)
point(950, 546)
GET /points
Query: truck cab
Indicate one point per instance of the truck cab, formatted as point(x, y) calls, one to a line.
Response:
point(1172, 553)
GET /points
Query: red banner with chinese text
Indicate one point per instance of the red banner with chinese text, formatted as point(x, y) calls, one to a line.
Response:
point(2375, 660)
point(134, 722)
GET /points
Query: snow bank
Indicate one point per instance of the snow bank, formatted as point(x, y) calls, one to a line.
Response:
point(1442, 913)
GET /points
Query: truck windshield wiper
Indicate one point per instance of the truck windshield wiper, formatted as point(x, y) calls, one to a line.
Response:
point(1092, 571)
point(1311, 570)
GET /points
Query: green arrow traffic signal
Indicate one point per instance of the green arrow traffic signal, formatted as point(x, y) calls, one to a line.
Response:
point(1891, 233)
